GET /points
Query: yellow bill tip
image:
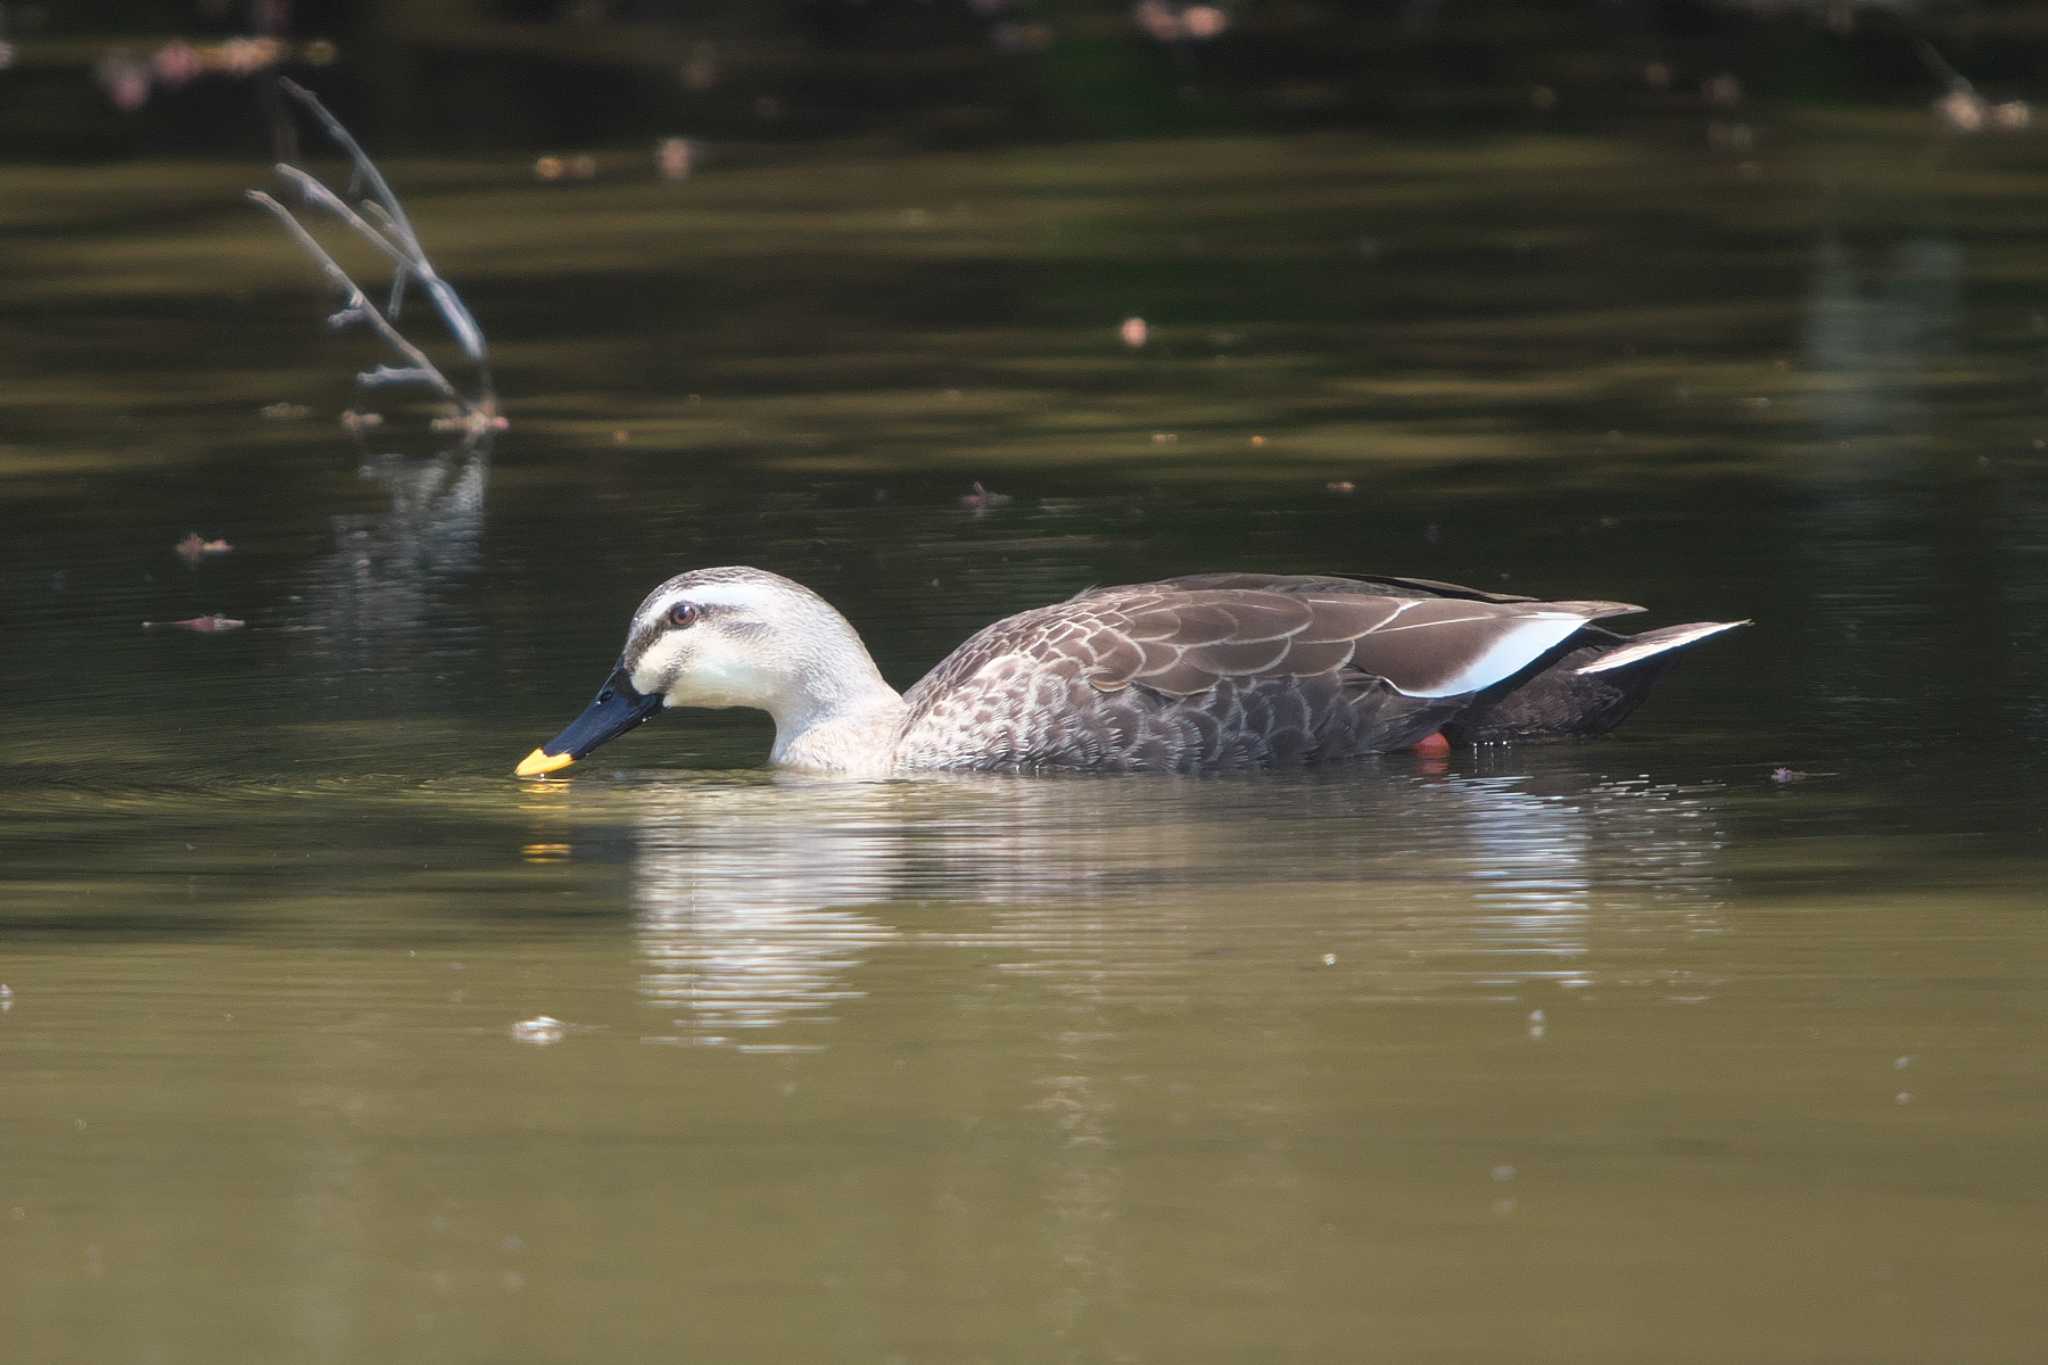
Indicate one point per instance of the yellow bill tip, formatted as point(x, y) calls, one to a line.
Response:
point(540, 762)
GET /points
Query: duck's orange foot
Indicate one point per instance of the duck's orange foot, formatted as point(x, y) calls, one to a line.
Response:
point(1436, 746)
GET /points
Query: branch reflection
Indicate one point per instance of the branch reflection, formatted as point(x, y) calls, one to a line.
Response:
point(385, 603)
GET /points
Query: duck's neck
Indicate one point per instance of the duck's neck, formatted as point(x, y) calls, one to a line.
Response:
point(843, 719)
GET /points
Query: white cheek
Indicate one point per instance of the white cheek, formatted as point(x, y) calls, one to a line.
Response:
point(716, 673)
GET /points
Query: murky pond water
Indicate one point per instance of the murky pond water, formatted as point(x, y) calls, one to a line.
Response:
point(1621, 1051)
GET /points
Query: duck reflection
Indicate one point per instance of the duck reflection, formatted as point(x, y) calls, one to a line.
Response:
point(1556, 869)
point(748, 899)
point(758, 899)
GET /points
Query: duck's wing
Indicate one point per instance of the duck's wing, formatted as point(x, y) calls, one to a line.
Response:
point(1584, 685)
point(1182, 643)
point(1175, 677)
point(1365, 585)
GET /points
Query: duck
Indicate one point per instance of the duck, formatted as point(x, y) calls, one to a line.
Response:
point(1204, 673)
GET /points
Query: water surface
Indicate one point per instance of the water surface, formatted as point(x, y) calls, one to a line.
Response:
point(1618, 1051)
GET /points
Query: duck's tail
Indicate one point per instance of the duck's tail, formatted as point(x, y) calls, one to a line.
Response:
point(1587, 686)
point(1651, 643)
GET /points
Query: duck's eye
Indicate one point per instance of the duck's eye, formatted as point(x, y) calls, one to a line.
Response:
point(683, 614)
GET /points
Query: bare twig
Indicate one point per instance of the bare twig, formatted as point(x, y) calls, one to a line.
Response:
point(381, 220)
point(1939, 66)
point(358, 308)
point(384, 204)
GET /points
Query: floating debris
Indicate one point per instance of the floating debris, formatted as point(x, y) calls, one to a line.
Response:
point(283, 412)
point(124, 79)
point(1722, 92)
point(176, 63)
point(674, 158)
point(1134, 332)
point(1962, 110)
point(1723, 136)
point(540, 1031)
point(700, 69)
point(204, 625)
point(1341, 487)
point(1966, 111)
point(1787, 776)
point(361, 421)
point(195, 547)
point(577, 166)
point(982, 499)
point(1165, 22)
point(1020, 37)
point(474, 422)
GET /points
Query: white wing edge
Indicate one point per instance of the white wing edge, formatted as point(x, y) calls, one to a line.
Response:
point(1655, 642)
point(1518, 646)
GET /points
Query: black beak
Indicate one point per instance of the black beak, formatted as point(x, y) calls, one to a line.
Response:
point(616, 709)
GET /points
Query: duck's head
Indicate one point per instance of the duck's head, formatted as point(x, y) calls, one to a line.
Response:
point(719, 637)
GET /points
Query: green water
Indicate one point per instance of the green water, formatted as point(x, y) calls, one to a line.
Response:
point(1614, 1052)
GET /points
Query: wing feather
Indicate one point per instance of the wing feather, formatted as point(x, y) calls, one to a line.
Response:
point(1249, 658)
point(1222, 676)
point(1192, 622)
point(1264, 615)
point(1370, 585)
point(1450, 646)
point(1423, 647)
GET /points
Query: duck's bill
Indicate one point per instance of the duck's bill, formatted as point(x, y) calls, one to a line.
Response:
point(616, 709)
